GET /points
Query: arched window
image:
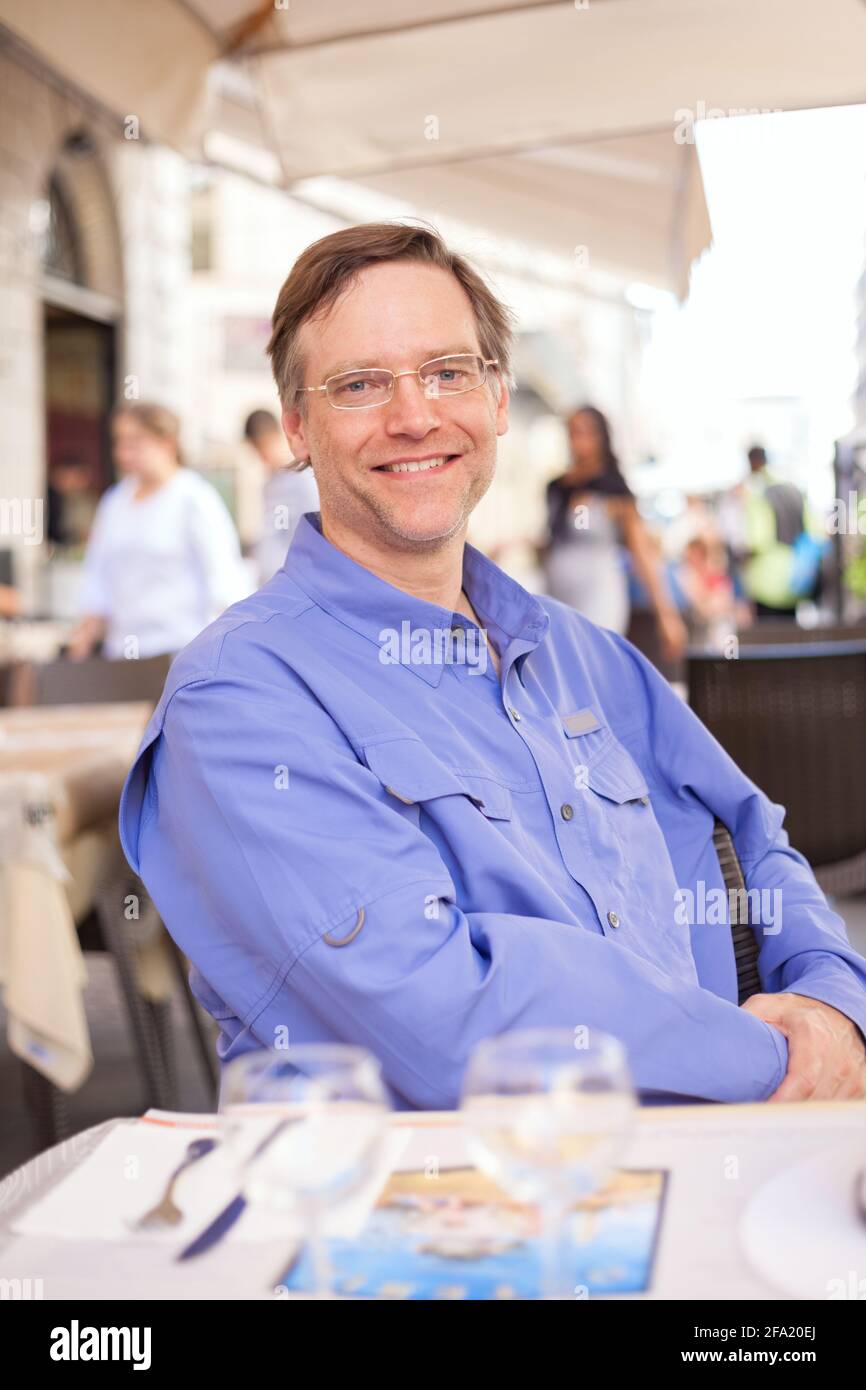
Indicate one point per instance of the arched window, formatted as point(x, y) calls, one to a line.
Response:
point(61, 251)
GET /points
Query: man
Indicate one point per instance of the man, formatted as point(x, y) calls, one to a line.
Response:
point(394, 799)
point(286, 494)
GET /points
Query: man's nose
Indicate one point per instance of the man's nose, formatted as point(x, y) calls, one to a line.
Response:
point(411, 410)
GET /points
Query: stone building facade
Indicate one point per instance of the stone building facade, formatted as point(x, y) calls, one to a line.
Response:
point(94, 278)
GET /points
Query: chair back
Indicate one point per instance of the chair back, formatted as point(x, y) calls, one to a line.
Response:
point(793, 717)
point(95, 681)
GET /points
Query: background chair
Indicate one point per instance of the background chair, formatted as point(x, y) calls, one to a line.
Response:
point(105, 926)
point(768, 632)
point(95, 681)
point(793, 716)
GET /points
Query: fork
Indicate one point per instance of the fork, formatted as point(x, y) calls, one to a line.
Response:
point(166, 1212)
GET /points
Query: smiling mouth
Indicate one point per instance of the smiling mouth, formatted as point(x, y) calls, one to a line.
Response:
point(402, 470)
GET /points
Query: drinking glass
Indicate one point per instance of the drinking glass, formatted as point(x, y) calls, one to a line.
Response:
point(548, 1113)
point(305, 1128)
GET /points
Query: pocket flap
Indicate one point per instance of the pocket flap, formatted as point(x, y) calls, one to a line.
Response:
point(409, 771)
point(491, 797)
point(617, 776)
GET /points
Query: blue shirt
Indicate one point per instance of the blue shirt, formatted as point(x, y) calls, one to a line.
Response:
point(356, 832)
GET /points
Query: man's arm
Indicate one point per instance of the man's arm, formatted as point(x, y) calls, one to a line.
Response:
point(265, 842)
point(804, 952)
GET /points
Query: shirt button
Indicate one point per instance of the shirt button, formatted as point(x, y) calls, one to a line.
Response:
point(514, 715)
point(613, 919)
point(566, 811)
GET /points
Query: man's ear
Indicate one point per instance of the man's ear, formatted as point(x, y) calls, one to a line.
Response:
point(293, 428)
point(502, 409)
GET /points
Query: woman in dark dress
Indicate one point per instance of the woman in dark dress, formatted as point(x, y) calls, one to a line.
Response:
point(591, 514)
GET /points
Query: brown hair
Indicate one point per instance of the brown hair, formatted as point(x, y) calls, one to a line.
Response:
point(328, 266)
point(156, 419)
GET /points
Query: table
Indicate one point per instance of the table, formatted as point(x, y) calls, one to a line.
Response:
point(33, 639)
point(699, 1257)
point(62, 769)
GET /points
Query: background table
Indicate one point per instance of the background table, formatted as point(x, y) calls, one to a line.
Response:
point(62, 770)
point(32, 639)
point(699, 1256)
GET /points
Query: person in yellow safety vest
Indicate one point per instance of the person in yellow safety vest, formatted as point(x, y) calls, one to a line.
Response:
point(783, 541)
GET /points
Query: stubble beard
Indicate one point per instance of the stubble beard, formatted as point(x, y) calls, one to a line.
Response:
point(363, 512)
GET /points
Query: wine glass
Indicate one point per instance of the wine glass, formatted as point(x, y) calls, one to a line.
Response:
point(305, 1127)
point(547, 1114)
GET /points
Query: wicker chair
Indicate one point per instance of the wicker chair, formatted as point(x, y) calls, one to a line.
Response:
point(792, 715)
point(769, 632)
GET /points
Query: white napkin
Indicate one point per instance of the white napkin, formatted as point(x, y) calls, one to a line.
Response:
point(126, 1175)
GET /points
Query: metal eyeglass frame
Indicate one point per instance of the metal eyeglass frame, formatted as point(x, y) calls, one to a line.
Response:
point(449, 357)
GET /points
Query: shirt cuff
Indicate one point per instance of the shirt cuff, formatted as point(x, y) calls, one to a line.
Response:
point(848, 996)
point(781, 1049)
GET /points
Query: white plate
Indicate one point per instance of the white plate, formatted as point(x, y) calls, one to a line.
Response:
point(801, 1230)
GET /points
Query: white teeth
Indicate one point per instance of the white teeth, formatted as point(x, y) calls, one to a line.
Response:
point(421, 467)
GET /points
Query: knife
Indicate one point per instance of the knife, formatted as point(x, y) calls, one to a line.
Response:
point(223, 1222)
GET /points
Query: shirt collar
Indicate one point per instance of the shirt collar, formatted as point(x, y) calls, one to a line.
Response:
point(369, 605)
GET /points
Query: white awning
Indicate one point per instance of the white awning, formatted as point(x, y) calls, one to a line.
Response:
point(562, 125)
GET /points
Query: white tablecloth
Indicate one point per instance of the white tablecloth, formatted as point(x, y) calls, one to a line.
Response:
point(61, 772)
point(718, 1157)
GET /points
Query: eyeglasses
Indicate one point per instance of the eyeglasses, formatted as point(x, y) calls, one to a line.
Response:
point(365, 387)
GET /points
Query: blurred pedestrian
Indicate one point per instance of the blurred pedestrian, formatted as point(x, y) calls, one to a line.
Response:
point(592, 514)
point(782, 544)
point(72, 502)
point(711, 608)
point(288, 493)
point(163, 558)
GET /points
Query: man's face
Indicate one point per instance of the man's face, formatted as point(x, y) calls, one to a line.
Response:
point(398, 314)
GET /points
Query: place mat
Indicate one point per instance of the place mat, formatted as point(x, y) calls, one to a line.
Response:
point(456, 1234)
point(127, 1172)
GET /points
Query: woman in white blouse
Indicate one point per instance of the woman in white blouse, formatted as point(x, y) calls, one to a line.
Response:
point(163, 558)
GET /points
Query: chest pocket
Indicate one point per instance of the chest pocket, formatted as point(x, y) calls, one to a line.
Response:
point(409, 771)
point(600, 760)
point(615, 776)
point(619, 816)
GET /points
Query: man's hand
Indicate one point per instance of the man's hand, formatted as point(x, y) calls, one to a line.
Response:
point(826, 1054)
